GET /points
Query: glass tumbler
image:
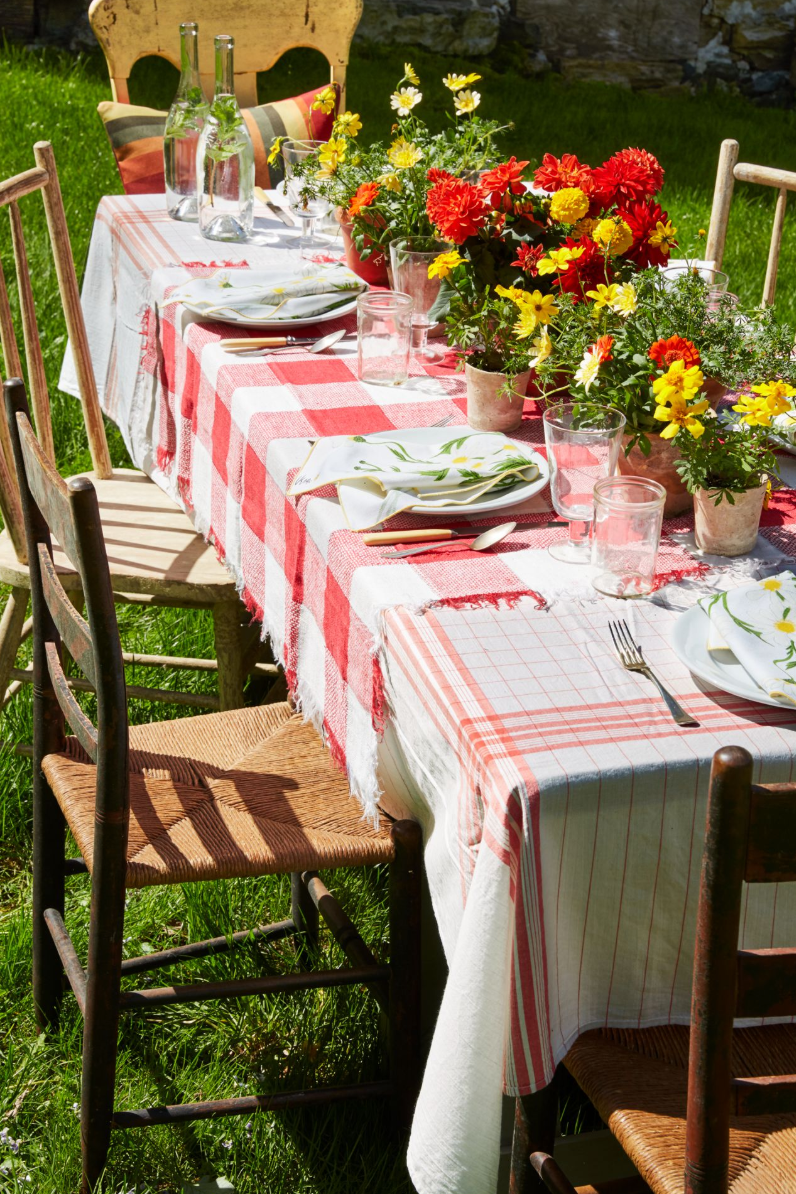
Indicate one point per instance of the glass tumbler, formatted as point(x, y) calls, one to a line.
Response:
point(384, 335)
point(410, 259)
point(583, 441)
point(717, 281)
point(628, 512)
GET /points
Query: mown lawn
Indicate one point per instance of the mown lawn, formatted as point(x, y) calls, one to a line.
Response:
point(225, 1049)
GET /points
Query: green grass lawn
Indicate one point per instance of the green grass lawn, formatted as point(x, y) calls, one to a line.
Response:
point(182, 1054)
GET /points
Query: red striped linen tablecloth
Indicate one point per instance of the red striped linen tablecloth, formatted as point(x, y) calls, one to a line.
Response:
point(563, 813)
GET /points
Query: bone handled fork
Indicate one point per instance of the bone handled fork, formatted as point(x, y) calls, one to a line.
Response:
point(632, 659)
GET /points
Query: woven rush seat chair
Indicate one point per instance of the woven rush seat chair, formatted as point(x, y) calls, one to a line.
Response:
point(711, 1109)
point(224, 795)
point(156, 556)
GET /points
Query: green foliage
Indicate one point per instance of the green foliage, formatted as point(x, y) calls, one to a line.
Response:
point(729, 459)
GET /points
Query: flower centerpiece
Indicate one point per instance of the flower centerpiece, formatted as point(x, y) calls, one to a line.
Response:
point(727, 466)
point(379, 191)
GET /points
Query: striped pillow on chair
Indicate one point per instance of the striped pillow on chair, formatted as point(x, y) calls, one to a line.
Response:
point(136, 137)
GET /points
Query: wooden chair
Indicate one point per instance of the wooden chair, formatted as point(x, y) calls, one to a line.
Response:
point(712, 1110)
point(263, 30)
point(248, 792)
point(156, 556)
point(730, 169)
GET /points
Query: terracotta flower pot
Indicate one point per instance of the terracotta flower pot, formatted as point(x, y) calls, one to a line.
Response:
point(714, 390)
point(658, 466)
point(373, 269)
point(728, 529)
point(487, 408)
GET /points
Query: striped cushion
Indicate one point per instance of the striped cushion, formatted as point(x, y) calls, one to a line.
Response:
point(136, 137)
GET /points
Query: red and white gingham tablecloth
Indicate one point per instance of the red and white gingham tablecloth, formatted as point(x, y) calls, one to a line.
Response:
point(563, 812)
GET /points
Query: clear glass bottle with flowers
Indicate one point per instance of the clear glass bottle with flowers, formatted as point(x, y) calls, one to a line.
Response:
point(225, 158)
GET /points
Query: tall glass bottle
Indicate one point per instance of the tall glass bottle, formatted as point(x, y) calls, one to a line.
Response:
point(183, 126)
point(225, 159)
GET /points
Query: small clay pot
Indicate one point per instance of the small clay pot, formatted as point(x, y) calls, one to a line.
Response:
point(489, 409)
point(373, 269)
point(714, 390)
point(658, 466)
point(728, 529)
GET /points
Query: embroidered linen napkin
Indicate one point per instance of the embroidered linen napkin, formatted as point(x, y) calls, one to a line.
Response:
point(757, 622)
point(380, 475)
point(252, 296)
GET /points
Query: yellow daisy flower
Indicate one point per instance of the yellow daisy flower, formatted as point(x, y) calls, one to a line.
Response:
point(331, 154)
point(625, 302)
point(459, 82)
point(325, 100)
point(443, 265)
point(557, 260)
point(772, 584)
point(403, 154)
point(587, 371)
point(604, 296)
point(391, 181)
point(276, 149)
point(613, 234)
point(678, 383)
point(754, 411)
point(662, 236)
point(543, 345)
point(466, 102)
point(785, 626)
point(541, 307)
point(775, 392)
point(512, 292)
point(404, 99)
point(680, 416)
point(410, 73)
point(568, 205)
point(349, 124)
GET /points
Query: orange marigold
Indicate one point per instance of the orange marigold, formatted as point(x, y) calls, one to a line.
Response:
point(665, 352)
point(363, 197)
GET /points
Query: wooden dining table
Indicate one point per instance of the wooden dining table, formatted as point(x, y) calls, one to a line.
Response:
point(562, 809)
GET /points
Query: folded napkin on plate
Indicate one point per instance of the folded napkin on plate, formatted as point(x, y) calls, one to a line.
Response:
point(757, 622)
point(380, 475)
point(256, 295)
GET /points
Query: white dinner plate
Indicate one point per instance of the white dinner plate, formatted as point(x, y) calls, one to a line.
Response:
point(720, 669)
point(195, 294)
point(499, 501)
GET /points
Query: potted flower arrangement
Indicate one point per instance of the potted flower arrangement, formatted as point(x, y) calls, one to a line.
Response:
point(727, 467)
point(379, 191)
point(545, 250)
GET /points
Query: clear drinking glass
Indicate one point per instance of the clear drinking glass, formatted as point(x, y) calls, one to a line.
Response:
point(628, 512)
point(583, 441)
point(302, 202)
point(384, 335)
point(184, 124)
point(410, 259)
point(717, 281)
point(225, 159)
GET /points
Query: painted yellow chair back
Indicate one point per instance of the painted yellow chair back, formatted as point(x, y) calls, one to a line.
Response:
point(263, 30)
point(729, 170)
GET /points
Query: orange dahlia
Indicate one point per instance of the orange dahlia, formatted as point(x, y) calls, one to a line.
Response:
point(554, 174)
point(504, 179)
point(456, 209)
point(363, 197)
point(665, 352)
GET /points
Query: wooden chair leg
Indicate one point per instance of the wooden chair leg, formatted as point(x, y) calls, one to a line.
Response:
point(404, 1027)
point(535, 1119)
point(229, 653)
point(49, 840)
point(11, 634)
point(305, 917)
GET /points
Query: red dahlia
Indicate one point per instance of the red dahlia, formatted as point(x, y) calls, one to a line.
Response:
point(642, 218)
point(555, 174)
point(665, 352)
point(586, 271)
point(456, 209)
point(646, 162)
point(503, 180)
point(528, 257)
point(363, 197)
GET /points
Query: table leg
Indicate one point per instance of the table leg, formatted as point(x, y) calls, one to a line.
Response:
point(535, 1119)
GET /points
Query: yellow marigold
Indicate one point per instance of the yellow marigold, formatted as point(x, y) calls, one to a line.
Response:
point(403, 154)
point(404, 99)
point(459, 82)
point(678, 384)
point(776, 394)
point(349, 124)
point(613, 234)
point(755, 411)
point(569, 205)
point(410, 73)
point(325, 100)
point(603, 296)
point(512, 292)
point(557, 260)
point(276, 149)
point(444, 264)
point(662, 236)
point(466, 102)
point(680, 416)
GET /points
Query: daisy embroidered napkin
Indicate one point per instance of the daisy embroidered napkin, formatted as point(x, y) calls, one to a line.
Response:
point(381, 475)
point(757, 622)
point(252, 296)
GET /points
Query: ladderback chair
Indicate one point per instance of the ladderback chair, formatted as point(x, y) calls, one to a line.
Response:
point(225, 795)
point(263, 31)
point(712, 1110)
point(156, 556)
point(729, 170)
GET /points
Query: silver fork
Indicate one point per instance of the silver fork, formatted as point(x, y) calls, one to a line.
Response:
point(632, 658)
point(443, 422)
